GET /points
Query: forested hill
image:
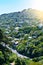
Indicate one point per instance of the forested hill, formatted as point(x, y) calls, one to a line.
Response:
point(27, 16)
point(23, 33)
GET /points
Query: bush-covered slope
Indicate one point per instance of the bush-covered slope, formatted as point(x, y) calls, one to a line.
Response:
point(23, 18)
point(32, 43)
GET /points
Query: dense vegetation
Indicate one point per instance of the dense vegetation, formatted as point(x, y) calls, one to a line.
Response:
point(23, 32)
point(18, 19)
point(32, 43)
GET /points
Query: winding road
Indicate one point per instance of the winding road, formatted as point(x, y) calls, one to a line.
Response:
point(15, 51)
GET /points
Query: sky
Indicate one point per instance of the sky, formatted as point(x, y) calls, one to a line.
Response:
point(7, 6)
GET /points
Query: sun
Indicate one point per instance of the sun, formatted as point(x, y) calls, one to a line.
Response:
point(38, 4)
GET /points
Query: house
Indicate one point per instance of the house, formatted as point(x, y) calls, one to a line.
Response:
point(40, 26)
point(12, 63)
point(29, 37)
point(34, 36)
point(15, 43)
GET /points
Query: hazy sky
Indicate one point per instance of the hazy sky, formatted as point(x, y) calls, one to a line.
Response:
point(7, 6)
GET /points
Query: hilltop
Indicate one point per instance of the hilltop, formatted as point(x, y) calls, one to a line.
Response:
point(22, 18)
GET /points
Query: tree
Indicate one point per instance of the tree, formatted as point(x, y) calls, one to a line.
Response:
point(1, 58)
point(1, 35)
point(17, 62)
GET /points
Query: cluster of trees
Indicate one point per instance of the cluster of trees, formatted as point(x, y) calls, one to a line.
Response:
point(32, 47)
point(4, 52)
point(23, 18)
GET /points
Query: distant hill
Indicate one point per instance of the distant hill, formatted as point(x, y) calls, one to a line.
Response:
point(26, 17)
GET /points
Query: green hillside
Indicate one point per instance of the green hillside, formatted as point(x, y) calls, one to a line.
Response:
point(21, 38)
point(23, 18)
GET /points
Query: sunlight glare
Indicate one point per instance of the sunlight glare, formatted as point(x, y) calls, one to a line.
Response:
point(38, 4)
